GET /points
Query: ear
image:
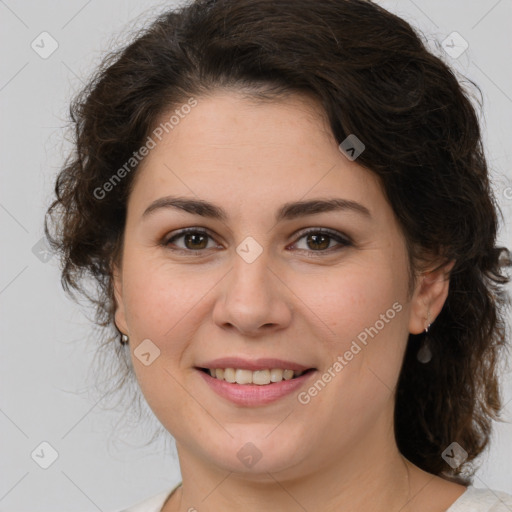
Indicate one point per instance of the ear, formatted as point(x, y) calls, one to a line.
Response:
point(429, 297)
point(119, 315)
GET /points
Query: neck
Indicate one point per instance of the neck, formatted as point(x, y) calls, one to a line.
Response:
point(365, 480)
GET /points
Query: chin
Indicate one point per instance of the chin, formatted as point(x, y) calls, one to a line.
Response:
point(257, 454)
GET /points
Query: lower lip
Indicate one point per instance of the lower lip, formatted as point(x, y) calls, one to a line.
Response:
point(251, 395)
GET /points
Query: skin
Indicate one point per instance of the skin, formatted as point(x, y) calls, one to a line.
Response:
point(297, 301)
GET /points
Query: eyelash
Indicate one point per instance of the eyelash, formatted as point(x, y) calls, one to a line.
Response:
point(343, 240)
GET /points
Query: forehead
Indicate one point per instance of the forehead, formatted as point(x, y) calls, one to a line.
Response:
point(228, 122)
point(243, 148)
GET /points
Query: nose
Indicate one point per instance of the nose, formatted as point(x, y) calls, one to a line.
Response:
point(253, 299)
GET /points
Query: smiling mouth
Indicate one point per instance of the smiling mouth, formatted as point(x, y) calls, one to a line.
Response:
point(260, 377)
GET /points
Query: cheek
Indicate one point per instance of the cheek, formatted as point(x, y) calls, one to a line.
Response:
point(352, 298)
point(362, 315)
point(159, 297)
point(162, 305)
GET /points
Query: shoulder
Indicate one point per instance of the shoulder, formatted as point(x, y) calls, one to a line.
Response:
point(152, 504)
point(482, 500)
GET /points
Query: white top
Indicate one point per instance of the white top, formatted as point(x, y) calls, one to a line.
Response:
point(472, 500)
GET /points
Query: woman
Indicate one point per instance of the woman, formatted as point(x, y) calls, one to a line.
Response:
point(286, 208)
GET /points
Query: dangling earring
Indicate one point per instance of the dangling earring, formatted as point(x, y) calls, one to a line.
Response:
point(424, 354)
point(124, 339)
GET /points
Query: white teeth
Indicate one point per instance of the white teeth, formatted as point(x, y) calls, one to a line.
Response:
point(276, 375)
point(259, 377)
point(243, 376)
point(229, 375)
point(288, 374)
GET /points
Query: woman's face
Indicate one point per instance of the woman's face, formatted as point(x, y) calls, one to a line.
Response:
point(259, 278)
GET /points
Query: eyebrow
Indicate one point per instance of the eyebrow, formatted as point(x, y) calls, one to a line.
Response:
point(288, 211)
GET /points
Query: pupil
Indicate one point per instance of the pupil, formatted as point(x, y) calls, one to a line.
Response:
point(194, 237)
point(315, 240)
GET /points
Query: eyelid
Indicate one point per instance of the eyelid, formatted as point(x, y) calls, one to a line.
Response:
point(327, 231)
point(342, 240)
point(182, 232)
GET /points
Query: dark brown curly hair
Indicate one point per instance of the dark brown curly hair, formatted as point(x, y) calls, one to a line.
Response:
point(374, 77)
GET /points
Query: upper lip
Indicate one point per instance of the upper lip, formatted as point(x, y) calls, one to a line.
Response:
point(254, 364)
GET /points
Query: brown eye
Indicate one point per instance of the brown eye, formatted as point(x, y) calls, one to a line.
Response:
point(193, 240)
point(321, 241)
point(318, 241)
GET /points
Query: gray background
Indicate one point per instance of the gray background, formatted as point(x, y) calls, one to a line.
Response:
point(46, 339)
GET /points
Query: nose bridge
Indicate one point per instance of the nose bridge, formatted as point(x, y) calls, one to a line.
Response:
point(249, 281)
point(250, 266)
point(252, 297)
